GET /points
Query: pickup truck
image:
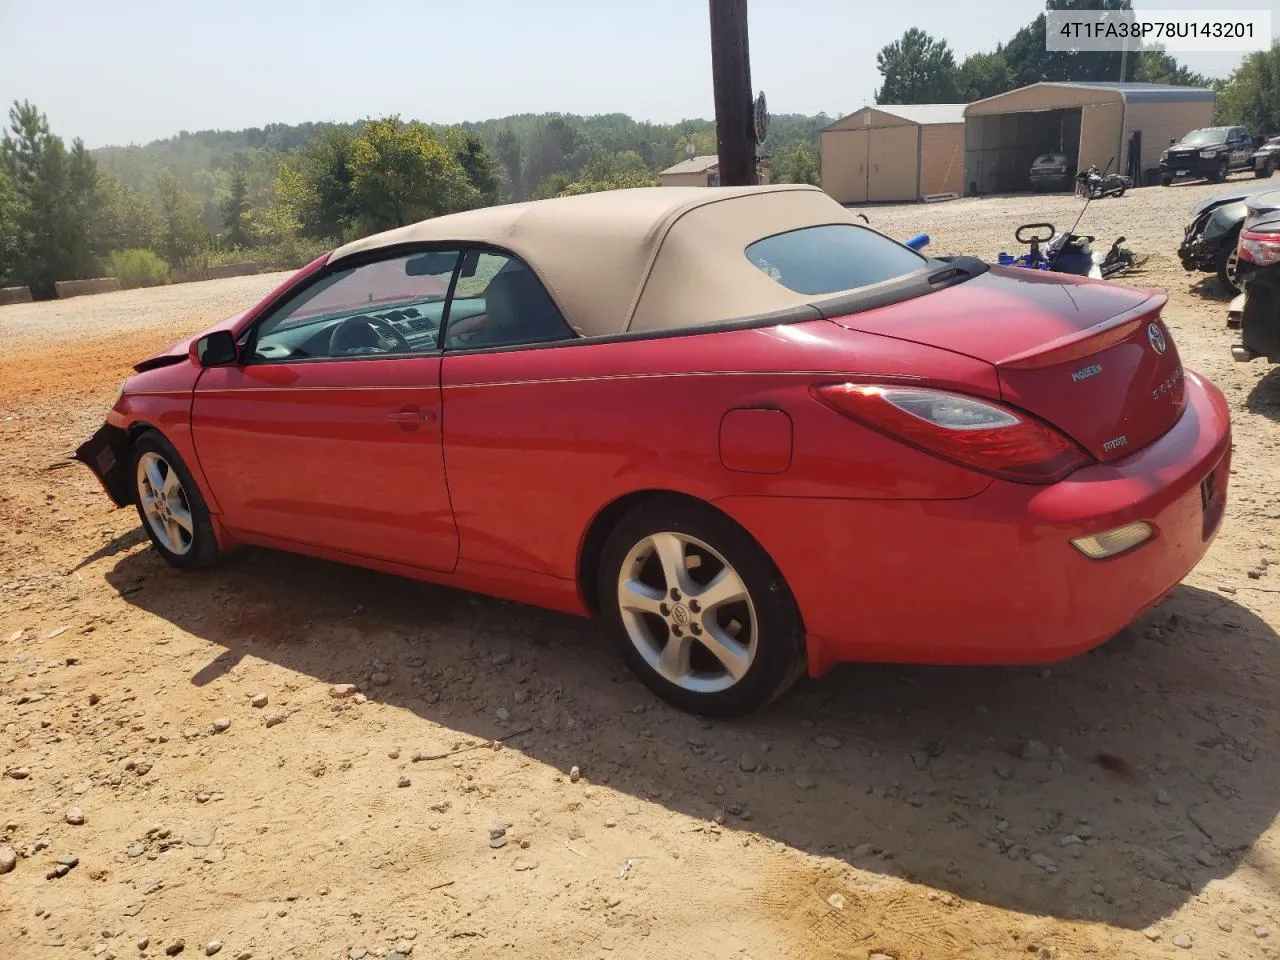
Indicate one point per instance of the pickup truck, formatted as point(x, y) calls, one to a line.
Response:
point(1211, 153)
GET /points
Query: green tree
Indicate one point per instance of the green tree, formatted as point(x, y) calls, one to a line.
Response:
point(983, 75)
point(401, 174)
point(56, 198)
point(509, 150)
point(314, 189)
point(553, 186)
point(182, 233)
point(618, 172)
point(8, 226)
point(126, 219)
point(237, 219)
point(1155, 65)
point(798, 162)
point(478, 162)
point(1251, 95)
point(557, 145)
point(917, 68)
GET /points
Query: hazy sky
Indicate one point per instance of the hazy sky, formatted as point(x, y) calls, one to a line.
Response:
point(134, 70)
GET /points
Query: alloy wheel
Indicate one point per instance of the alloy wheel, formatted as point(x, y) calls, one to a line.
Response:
point(688, 612)
point(164, 503)
point(1233, 259)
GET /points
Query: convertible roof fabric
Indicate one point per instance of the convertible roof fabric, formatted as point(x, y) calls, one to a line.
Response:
point(650, 258)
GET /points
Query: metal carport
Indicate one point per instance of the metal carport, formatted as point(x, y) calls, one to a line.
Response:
point(1124, 125)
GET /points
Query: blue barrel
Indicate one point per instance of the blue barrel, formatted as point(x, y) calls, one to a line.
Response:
point(919, 241)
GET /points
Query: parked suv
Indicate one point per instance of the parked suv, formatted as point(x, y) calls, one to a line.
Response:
point(1212, 152)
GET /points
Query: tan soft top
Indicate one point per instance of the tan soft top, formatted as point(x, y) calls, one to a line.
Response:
point(649, 258)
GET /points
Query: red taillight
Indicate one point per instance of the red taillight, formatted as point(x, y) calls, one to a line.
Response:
point(979, 434)
point(1260, 248)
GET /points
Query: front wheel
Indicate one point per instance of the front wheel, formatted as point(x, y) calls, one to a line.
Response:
point(170, 505)
point(1166, 180)
point(699, 611)
point(1223, 170)
point(1226, 267)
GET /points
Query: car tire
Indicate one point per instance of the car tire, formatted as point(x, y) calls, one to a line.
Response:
point(1264, 172)
point(1226, 264)
point(1166, 181)
point(710, 670)
point(1222, 172)
point(170, 506)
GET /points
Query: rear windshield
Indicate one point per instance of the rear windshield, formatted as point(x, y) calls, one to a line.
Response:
point(832, 258)
point(1210, 135)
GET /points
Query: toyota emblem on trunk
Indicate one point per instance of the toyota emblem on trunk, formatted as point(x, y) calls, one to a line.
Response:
point(1156, 338)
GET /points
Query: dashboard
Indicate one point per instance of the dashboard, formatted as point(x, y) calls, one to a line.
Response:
point(418, 323)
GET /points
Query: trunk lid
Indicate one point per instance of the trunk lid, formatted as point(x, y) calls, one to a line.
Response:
point(1091, 358)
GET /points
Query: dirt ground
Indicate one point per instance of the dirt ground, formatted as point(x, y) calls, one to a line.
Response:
point(1119, 805)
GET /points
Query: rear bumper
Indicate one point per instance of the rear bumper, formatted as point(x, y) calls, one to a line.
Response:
point(994, 579)
point(1052, 181)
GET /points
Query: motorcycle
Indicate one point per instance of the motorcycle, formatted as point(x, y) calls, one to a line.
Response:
point(1094, 184)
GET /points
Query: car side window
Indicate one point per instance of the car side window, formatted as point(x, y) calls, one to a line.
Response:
point(386, 307)
point(500, 302)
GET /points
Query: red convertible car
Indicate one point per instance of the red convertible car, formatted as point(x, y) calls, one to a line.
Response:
point(752, 434)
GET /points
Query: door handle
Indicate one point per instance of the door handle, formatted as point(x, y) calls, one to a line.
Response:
point(411, 416)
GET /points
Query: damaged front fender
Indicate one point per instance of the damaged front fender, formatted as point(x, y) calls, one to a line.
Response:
point(106, 453)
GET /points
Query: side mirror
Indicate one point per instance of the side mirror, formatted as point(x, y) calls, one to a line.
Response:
point(217, 349)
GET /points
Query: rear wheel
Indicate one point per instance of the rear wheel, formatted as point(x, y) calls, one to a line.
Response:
point(1263, 172)
point(170, 505)
point(1227, 260)
point(698, 610)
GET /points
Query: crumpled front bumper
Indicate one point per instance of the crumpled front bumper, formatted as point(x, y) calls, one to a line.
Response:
point(106, 453)
point(1199, 255)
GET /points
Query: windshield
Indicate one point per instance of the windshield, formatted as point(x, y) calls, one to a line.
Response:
point(1209, 135)
point(832, 258)
point(1047, 158)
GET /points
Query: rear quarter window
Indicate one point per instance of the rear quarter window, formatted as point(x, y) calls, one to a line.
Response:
point(832, 258)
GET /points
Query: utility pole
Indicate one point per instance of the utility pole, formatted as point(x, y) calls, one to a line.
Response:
point(731, 76)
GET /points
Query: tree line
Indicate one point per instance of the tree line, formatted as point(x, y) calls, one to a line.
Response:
point(280, 195)
point(920, 68)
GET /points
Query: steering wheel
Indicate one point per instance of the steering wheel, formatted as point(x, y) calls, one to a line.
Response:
point(364, 333)
point(1038, 237)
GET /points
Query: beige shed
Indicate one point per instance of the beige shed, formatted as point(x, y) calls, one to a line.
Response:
point(895, 153)
point(694, 172)
point(705, 172)
point(1121, 125)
